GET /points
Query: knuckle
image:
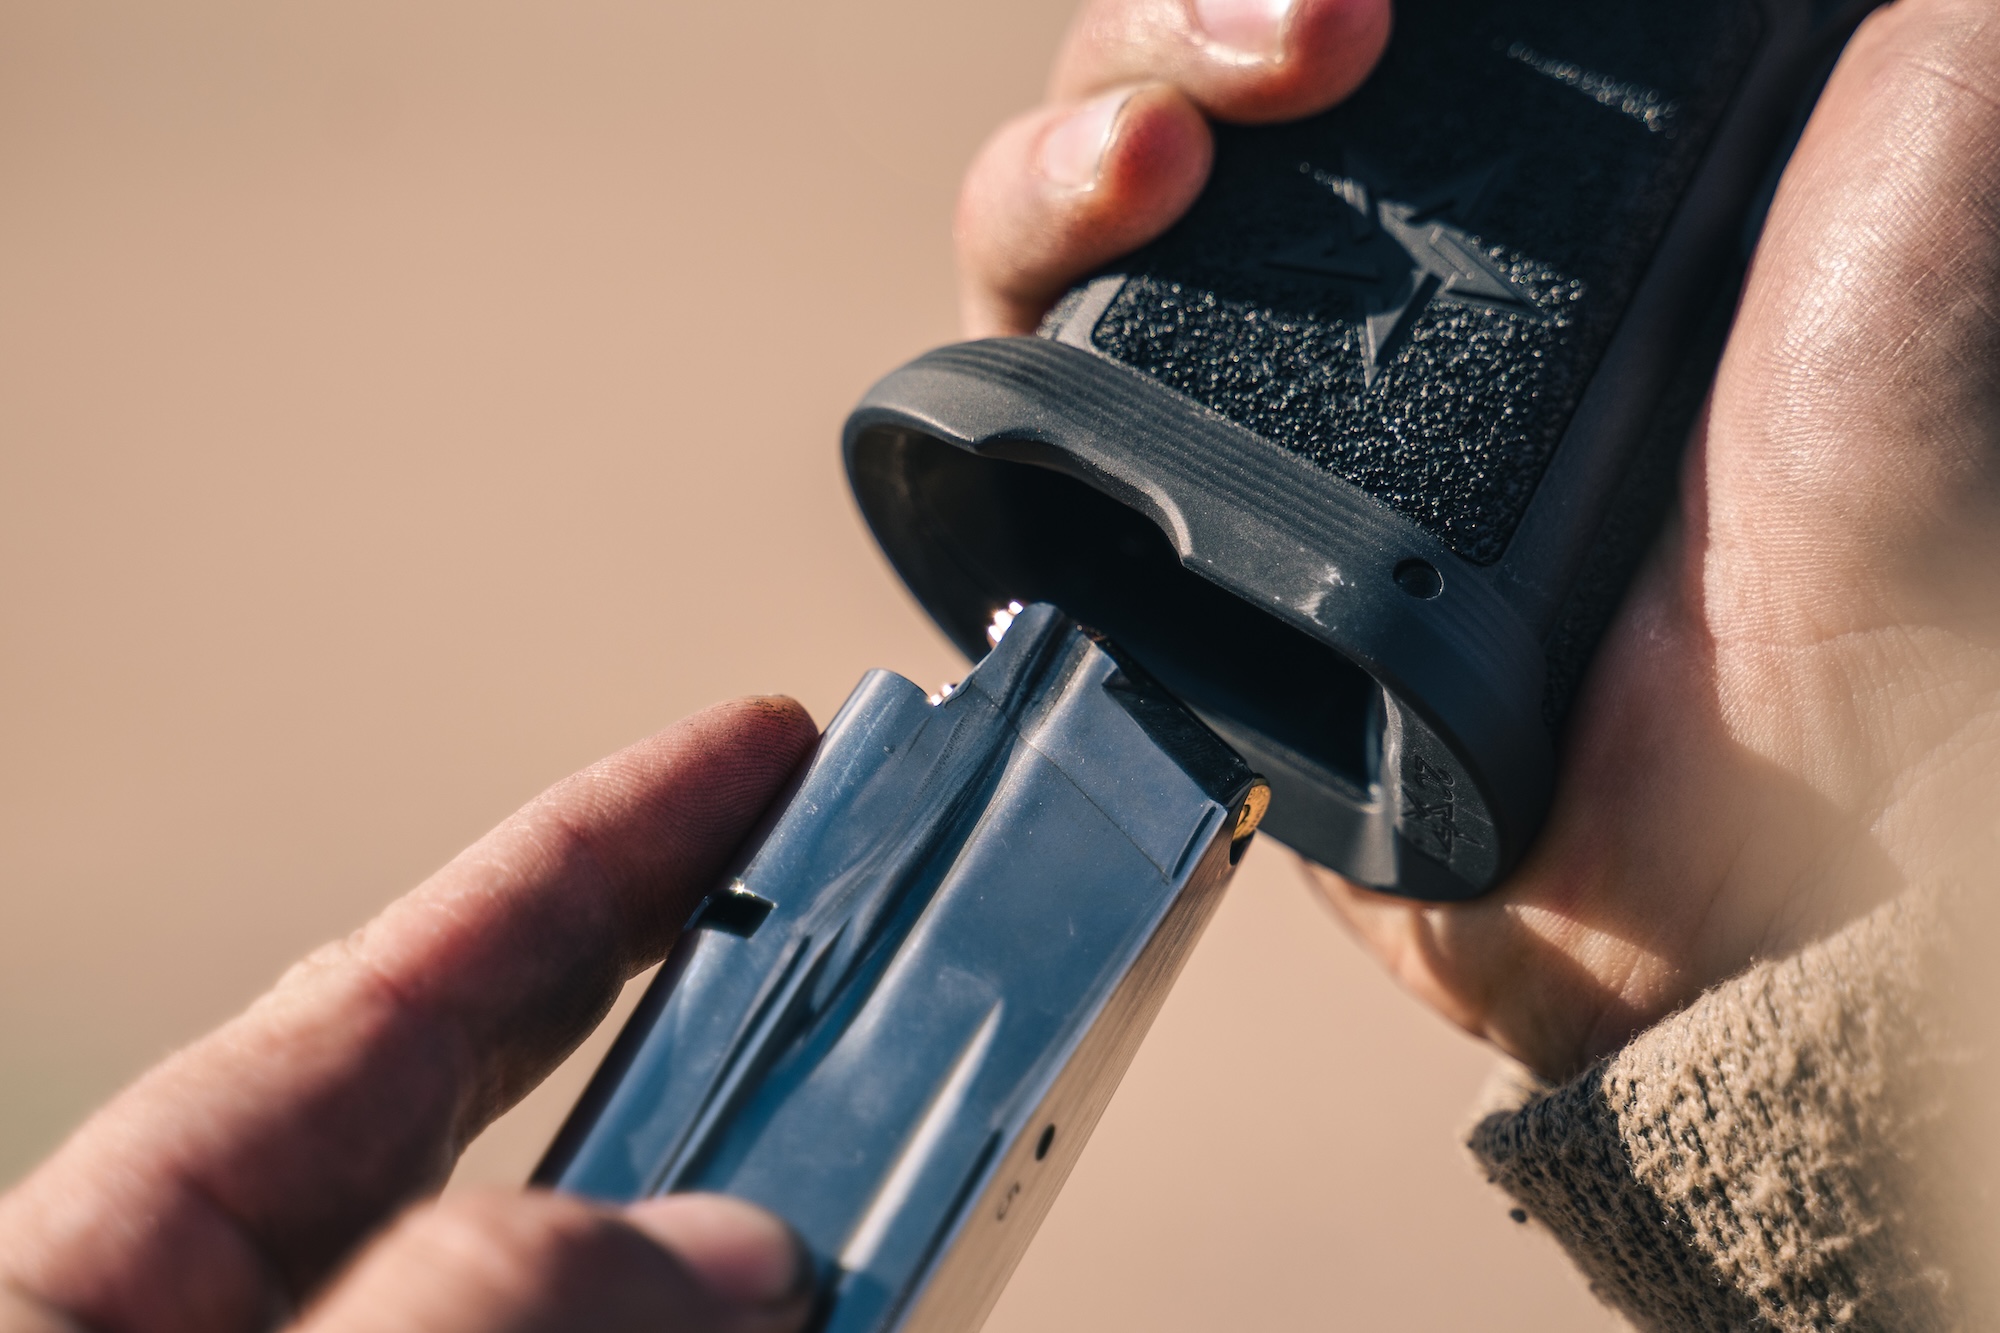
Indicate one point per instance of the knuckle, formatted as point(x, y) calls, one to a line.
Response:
point(1328, 47)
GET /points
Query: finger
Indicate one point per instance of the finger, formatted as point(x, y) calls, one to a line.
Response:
point(223, 1185)
point(525, 1263)
point(1124, 149)
point(1398, 932)
point(1533, 981)
point(741, 1252)
point(1248, 61)
point(1062, 190)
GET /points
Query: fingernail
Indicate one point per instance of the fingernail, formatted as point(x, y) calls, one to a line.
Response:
point(1073, 147)
point(1252, 27)
point(738, 1251)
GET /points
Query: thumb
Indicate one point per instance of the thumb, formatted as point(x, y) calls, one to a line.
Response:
point(496, 1262)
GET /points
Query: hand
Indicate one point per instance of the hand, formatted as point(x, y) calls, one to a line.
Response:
point(269, 1167)
point(1785, 723)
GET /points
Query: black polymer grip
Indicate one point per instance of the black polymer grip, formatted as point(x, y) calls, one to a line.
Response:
point(1360, 456)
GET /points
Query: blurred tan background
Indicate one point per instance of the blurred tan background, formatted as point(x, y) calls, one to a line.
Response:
point(403, 404)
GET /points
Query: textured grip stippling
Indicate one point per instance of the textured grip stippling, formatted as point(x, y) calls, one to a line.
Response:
point(1420, 313)
point(1360, 457)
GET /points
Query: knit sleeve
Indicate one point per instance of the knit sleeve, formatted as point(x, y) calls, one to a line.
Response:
point(1769, 1156)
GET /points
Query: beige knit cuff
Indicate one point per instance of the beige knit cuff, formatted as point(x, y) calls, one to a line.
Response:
point(1767, 1158)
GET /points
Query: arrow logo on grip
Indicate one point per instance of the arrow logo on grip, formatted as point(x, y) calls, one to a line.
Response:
point(1397, 256)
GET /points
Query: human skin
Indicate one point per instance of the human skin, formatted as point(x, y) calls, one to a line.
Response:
point(1793, 716)
point(280, 1164)
point(1778, 733)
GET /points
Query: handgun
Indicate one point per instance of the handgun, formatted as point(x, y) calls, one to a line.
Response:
point(1305, 517)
